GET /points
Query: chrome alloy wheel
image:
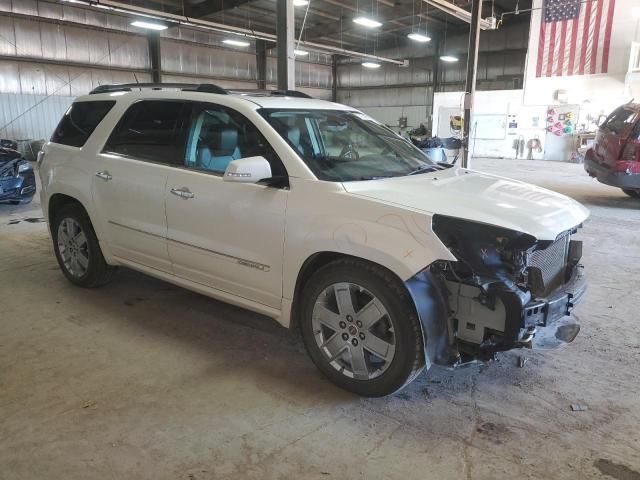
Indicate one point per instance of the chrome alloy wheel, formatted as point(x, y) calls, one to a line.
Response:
point(353, 331)
point(73, 247)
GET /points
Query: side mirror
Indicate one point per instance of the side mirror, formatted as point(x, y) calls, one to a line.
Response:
point(247, 170)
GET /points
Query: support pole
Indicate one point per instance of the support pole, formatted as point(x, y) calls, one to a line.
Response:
point(435, 81)
point(261, 64)
point(334, 78)
point(472, 68)
point(285, 29)
point(153, 39)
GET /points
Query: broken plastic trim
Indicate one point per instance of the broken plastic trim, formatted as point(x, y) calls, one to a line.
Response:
point(432, 305)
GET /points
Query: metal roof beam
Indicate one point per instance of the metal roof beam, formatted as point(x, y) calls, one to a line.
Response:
point(459, 13)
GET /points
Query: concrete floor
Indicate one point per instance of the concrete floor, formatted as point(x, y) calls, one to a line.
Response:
point(141, 379)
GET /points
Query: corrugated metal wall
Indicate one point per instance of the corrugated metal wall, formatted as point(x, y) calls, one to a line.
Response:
point(201, 61)
point(27, 117)
point(51, 53)
point(62, 50)
point(389, 92)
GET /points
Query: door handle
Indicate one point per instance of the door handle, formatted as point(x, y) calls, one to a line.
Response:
point(183, 192)
point(104, 175)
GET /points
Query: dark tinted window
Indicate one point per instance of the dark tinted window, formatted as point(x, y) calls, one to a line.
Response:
point(620, 120)
point(218, 135)
point(151, 130)
point(79, 122)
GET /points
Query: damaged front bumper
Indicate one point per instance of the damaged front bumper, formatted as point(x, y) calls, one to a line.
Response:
point(546, 318)
point(506, 291)
point(547, 312)
point(19, 188)
point(460, 325)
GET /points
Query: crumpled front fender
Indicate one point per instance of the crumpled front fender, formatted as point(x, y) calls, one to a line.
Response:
point(430, 299)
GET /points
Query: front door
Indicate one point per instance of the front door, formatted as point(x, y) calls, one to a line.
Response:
point(228, 236)
point(131, 177)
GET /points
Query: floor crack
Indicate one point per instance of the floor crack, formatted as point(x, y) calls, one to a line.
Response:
point(467, 442)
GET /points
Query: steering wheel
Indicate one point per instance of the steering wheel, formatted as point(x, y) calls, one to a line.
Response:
point(349, 153)
point(387, 149)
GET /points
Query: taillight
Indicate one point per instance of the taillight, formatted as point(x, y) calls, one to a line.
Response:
point(631, 152)
point(627, 166)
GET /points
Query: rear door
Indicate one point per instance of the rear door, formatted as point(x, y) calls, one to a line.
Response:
point(131, 177)
point(613, 135)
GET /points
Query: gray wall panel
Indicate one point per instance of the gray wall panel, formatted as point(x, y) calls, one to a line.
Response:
point(9, 77)
point(77, 43)
point(54, 44)
point(53, 11)
point(8, 39)
point(25, 117)
point(27, 37)
point(26, 7)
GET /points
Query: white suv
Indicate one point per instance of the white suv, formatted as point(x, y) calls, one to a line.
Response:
point(316, 215)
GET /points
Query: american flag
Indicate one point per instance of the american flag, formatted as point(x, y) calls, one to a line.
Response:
point(574, 37)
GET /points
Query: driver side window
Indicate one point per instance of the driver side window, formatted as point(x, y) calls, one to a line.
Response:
point(218, 135)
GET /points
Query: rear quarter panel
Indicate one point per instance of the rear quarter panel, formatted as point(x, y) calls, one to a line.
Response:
point(70, 170)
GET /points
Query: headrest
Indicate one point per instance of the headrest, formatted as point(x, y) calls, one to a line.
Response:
point(224, 142)
point(293, 134)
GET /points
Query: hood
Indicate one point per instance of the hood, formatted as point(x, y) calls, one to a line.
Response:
point(479, 197)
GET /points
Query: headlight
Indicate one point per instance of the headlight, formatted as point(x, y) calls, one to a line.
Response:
point(480, 246)
point(24, 166)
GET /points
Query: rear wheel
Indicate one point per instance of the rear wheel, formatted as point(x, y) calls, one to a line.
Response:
point(360, 328)
point(77, 248)
point(632, 193)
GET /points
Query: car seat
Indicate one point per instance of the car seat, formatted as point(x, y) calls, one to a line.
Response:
point(217, 149)
point(293, 134)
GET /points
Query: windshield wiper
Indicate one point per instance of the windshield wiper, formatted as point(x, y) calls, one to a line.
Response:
point(425, 169)
point(375, 177)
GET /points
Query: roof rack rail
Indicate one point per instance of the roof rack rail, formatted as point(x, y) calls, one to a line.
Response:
point(270, 93)
point(289, 93)
point(127, 87)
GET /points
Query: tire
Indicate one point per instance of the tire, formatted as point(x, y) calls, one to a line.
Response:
point(632, 193)
point(327, 328)
point(96, 272)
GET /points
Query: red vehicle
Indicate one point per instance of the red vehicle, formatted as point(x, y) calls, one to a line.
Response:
point(615, 158)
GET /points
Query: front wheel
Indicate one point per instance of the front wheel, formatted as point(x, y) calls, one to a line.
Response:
point(632, 193)
point(361, 329)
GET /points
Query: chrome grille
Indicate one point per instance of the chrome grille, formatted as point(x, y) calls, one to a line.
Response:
point(552, 262)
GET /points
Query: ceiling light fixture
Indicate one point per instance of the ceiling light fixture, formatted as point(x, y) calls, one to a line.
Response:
point(419, 37)
point(370, 65)
point(367, 22)
point(448, 58)
point(300, 3)
point(236, 43)
point(301, 53)
point(149, 25)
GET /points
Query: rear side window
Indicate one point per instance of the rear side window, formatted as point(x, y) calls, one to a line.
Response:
point(151, 130)
point(620, 120)
point(79, 122)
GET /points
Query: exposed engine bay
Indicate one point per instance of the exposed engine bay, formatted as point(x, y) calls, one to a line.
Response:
point(506, 290)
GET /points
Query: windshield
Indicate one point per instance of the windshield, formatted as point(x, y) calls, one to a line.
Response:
point(342, 146)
